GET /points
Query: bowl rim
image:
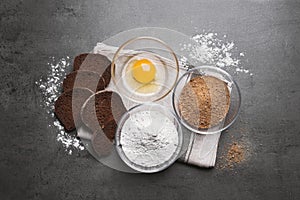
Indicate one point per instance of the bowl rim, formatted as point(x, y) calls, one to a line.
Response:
point(127, 161)
point(210, 67)
point(146, 38)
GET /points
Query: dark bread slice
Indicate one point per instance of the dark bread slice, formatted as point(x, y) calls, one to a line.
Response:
point(84, 79)
point(110, 128)
point(68, 115)
point(94, 62)
point(91, 62)
point(107, 75)
point(103, 110)
point(78, 60)
point(101, 144)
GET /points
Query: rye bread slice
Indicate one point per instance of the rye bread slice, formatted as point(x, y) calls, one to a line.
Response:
point(84, 79)
point(68, 115)
point(103, 110)
point(78, 60)
point(94, 62)
point(91, 62)
point(107, 75)
point(101, 144)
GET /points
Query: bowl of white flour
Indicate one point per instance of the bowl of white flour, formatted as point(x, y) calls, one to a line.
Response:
point(149, 138)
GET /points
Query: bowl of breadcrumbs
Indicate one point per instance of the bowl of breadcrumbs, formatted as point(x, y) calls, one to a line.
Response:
point(206, 99)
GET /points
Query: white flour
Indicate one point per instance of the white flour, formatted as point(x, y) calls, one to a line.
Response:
point(215, 51)
point(149, 138)
point(50, 88)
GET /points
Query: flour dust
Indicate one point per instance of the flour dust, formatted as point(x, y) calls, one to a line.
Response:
point(51, 88)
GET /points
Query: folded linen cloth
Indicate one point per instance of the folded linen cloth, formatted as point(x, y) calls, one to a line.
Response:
point(197, 149)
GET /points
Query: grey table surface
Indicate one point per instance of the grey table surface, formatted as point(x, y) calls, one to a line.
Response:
point(34, 166)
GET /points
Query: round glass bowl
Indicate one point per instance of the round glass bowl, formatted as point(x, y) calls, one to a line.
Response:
point(206, 99)
point(144, 69)
point(149, 138)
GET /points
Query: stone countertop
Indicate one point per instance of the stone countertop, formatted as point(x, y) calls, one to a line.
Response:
point(34, 166)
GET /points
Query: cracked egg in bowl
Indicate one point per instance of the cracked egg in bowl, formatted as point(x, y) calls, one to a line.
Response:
point(145, 69)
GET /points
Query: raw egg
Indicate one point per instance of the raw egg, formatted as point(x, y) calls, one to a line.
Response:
point(143, 71)
point(144, 74)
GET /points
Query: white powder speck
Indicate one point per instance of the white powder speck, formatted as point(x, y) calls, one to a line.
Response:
point(211, 50)
point(50, 88)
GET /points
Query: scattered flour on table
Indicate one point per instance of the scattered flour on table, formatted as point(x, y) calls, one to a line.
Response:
point(210, 49)
point(51, 88)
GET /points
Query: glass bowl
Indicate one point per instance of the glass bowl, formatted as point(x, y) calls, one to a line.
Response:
point(206, 100)
point(163, 141)
point(153, 81)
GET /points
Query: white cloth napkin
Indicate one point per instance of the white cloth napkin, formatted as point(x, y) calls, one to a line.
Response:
point(199, 150)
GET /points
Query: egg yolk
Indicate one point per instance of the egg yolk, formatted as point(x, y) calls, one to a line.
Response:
point(143, 71)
